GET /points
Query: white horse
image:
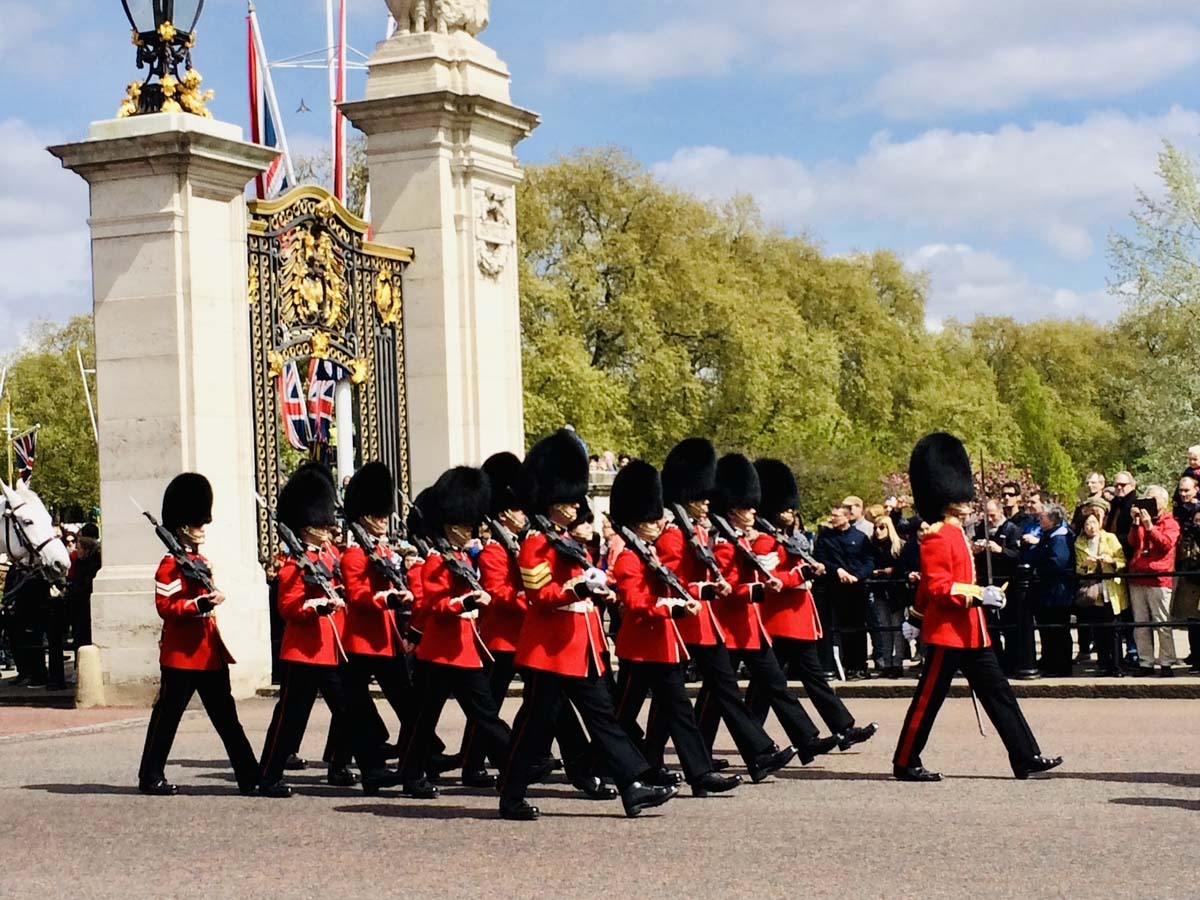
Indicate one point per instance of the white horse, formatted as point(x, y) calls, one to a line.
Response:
point(27, 533)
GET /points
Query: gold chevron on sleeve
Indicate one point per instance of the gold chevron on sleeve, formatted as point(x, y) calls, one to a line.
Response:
point(537, 577)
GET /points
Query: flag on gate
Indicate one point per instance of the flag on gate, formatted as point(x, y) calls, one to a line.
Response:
point(292, 408)
point(266, 123)
point(25, 449)
point(323, 376)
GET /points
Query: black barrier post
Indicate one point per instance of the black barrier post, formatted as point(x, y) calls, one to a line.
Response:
point(1025, 638)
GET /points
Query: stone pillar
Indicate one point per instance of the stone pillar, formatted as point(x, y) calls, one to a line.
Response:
point(168, 220)
point(441, 132)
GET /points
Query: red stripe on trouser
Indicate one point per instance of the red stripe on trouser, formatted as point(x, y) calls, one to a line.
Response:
point(270, 754)
point(933, 670)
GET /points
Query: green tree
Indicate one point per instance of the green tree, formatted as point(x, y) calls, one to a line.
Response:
point(317, 169)
point(44, 387)
point(1039, 437)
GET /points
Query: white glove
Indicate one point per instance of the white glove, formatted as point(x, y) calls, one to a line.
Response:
point(910, 632)
point(596, 579)
point(993, 597)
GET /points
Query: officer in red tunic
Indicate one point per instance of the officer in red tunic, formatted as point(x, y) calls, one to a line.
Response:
point(790, 615)
point(685, 547)
point(948, 617)
point(451, 655)
point(560, 649)
point(649, 644)
point(377, 611)
point(737, 499)
point(312, 646)
point(191, 653)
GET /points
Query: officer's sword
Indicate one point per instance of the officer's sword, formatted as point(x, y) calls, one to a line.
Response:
point(987, 552)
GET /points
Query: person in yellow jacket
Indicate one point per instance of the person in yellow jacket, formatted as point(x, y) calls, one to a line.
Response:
point(1100, 601)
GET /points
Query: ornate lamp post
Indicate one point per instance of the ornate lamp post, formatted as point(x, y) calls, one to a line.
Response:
point(164, 32)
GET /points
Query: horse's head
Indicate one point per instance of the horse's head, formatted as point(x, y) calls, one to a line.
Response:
point(29, 532)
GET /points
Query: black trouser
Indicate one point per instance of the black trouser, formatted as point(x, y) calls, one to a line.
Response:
point(1003, 628)
point(992, 690)
point(720, 696)
point(572, 739)
point(435, 684)
point(175, 691)
point(545, 694)
point(800, 661)
point(1105, 639)
point(301, 684)
point(665, 680)
point(1056, 641)
point(768, 680)
point(56, 627)
point(823, 600)
point(851, 603)
point(391, 674)
point(80, 612)
point(27, 636)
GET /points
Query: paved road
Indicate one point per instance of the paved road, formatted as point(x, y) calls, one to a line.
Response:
point(1120, 820)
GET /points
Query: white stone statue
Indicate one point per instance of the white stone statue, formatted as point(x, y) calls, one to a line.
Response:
point(442, 16)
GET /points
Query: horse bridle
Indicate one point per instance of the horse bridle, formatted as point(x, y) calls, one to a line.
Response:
point(13, 527)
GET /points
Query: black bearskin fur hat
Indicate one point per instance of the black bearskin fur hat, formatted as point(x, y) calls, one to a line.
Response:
point(309, 499)
point(371, 492)
point(554, 471)
point(460, 497)
point(689, 472)
point(637, 495)
point(187, 500)
point(737, 484)
point(504, 473)
point(940, 472)
point(415, 522)
point(779, 491)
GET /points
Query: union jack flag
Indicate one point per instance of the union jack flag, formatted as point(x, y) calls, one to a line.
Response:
point(25, 449)
point(291, 405)
point(323, 376)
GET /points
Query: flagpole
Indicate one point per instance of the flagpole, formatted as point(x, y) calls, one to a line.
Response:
point(330, 60)
point(272, 100)
point(9, 432)
point(87, 392)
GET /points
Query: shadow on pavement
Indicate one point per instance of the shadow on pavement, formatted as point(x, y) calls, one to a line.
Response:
point(408, 810)
point(830, 775)
point(185, 790)
point(1168, 802)
point(1174, 779)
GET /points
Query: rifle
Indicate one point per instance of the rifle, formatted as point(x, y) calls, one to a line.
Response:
point(314, 572)
point(572, 550)
point(505, 537)
point(391, 568)
point(795, 544)
point(645, 553)
point(734, 536)
point(458, 567)
point(193, 567)
point(702, 551)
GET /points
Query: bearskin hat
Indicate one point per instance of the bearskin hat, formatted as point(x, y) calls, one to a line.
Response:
point(940, 472)
point(309, 499)
point(415, 521)
point(460, 497)
point(554, 471)
point(779, 491)
point(689, 472)
point(371, 492)
point(737, 484)
point(504, 474)
point(637, 495)
point(187, 500)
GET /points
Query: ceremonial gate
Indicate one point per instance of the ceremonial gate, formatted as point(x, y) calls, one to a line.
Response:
point(325, 303)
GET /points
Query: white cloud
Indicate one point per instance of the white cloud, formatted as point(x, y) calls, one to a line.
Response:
point(669, 51)
point(966, 282)
point(44, 242)
point(1051, 181)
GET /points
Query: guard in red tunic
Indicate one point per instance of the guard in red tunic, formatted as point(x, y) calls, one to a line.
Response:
point(948, 617)
point(191, 653)
point(649, 643)
point(790, 615)
point(451, 655)
point(685, 547)
point(312, 646)
point(377, 608)
point(560, 651)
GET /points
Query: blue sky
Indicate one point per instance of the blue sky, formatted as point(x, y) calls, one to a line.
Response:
point(991, 143)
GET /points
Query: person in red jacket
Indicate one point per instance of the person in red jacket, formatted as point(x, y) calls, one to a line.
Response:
point(192, 655)
point(948, 617)
point(1152, 543)
point(685, 547)
point(649, 644)
point(560, 651)
point(790, 615)
point(377, 610)
point(450, 657)
point(736, 502)
point(312, 646)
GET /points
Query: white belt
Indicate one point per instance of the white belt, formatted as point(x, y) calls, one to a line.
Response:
point(470, 614)
point(671, 602)
point(579, 606)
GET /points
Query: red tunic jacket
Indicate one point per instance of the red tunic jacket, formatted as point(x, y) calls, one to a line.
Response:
point(674, 553)
point(648, 633)
point(947, 596)
point(371, 628)
point(190, 639)
point(791, 613)
point(500, 622)
point(554, 638)
point(449, 637)
point(738, 613)
point(308, 637)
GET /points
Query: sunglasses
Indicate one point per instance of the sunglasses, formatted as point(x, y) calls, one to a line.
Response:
point(1011, 494)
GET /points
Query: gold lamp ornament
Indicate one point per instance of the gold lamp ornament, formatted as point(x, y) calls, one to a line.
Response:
point(164, 32)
